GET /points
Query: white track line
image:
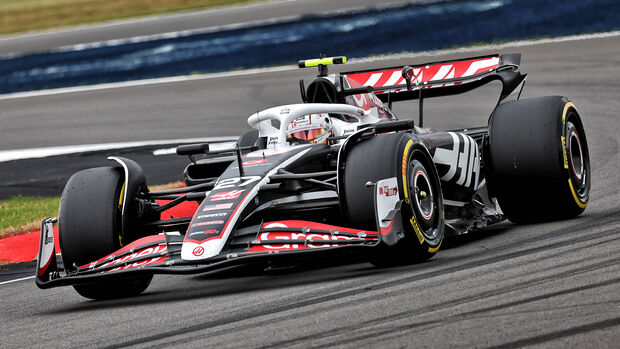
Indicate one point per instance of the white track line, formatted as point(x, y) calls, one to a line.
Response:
point(16, 280)
point(184, 78)
point(36, 153)
point(145, 82)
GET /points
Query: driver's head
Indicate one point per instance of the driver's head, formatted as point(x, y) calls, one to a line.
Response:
point(313, 128)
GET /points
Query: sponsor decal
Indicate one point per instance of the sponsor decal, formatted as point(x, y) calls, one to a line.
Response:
point(217, 207)
point(212, 215)
point(207, 223)
point(126, 261)
point(198, 251)
point(287, 237)
point(285, 111)
point(361, 101)
point(206, 232)
point(255, 162)
point(214, 222)
point(227, 195)
point(299, 236)
point(387, 191)
point(463, 165)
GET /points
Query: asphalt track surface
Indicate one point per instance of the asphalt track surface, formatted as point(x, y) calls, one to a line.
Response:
point(185, 21)
point(546, 285)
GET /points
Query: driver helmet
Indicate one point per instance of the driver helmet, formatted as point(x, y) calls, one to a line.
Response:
point(313, 128)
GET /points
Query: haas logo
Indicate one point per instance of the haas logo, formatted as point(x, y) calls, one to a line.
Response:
point(230, 195)
point(198, 251)
point(362, 101)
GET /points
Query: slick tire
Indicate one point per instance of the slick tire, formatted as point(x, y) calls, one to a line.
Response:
point(538, 159)
point(251, 138)
point(397, 155)
point(248, 139)
point(89, 228)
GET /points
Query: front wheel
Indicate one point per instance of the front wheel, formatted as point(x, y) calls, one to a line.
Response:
point(402, 156)
point(90, 225)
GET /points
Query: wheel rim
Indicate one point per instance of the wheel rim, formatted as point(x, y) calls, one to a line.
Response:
point(423, 193)
point(579, 161)
point(423, 202)
point(575, 153)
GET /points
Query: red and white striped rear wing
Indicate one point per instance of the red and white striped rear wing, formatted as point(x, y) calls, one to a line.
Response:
point(437, 78)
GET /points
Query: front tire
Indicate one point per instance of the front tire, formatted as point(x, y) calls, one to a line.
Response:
point(90, 225)
point(402, 156)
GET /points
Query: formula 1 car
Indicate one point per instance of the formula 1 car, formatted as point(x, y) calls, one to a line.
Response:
point(335, 175)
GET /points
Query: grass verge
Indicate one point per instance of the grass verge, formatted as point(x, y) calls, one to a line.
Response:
point(23, 214)
point(26, 15)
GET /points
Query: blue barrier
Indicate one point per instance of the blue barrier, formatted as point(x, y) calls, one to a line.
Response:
point(414, 27)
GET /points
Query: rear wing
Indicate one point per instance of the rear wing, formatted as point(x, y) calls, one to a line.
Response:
point(436, 79)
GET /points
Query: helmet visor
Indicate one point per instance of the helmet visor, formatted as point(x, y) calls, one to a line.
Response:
point(308, 135)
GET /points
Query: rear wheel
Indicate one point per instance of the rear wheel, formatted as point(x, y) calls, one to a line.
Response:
point(539, 162)
point(397, 155)
point(90, 228)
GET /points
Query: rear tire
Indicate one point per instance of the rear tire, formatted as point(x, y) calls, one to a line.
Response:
point(393, 155)
point(539, 162)
point(90, 228)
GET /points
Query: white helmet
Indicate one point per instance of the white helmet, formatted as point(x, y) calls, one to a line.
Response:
point(313, 128)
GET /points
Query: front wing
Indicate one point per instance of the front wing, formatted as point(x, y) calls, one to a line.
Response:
point(270, 241)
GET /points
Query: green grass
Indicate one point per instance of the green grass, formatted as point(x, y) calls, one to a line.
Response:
point(26, 15)
point(22, 214)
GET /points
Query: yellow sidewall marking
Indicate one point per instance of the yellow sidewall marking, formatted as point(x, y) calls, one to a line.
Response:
point(566, 107)
point(572, 190)
point(435, 249)
point(404, 169)
point(414, 224)
point(564, 151)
